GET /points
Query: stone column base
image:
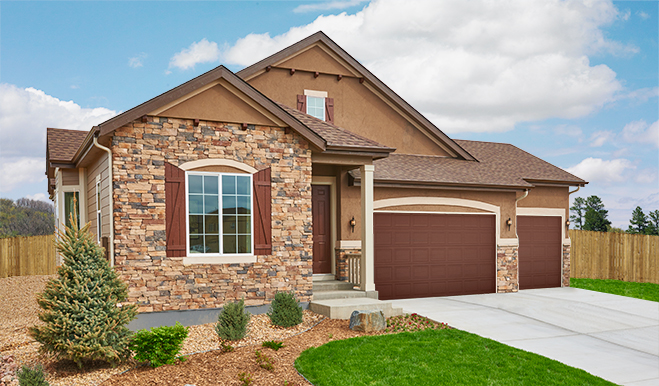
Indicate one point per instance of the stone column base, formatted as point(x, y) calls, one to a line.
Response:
point(507, 269)
point(565, 280)
point(341, 261)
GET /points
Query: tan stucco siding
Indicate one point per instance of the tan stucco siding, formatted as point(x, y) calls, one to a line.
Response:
point(218, 102)
point(356, 108)
point(317, 59)
point(547, 197)
point(98, 166)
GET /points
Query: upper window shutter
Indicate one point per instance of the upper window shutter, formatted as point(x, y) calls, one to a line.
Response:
point(262, 212)
point(302, 103)
point(175, 231)
point(329, 110)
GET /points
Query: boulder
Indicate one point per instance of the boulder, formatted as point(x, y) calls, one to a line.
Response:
point(367, 321)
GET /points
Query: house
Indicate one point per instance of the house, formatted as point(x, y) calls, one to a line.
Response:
point(300, 167)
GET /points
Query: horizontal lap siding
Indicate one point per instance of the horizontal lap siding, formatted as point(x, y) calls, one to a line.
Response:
point(420, 255)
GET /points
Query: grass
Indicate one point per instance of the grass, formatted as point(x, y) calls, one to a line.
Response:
point(645, 291)
point(433, 357)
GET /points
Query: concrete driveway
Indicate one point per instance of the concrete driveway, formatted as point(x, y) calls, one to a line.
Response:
point(613, 337)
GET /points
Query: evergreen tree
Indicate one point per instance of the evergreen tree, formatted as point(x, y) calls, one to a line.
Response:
point(579, 209)
point(639, 222)
point(81, 311)
point(595, 218)
point(653, 223)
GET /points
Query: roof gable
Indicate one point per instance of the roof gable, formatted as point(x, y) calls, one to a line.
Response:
point(62, 144)
point(312, 47)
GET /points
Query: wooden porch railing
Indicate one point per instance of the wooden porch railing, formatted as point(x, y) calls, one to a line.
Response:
point(354, 273)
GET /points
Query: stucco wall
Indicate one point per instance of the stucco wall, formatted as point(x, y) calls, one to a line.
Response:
point(158, 283)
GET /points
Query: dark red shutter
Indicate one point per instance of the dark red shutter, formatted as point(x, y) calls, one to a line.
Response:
point(302, 103)
point(262, 213)
point(175, 210)
point(329, 110)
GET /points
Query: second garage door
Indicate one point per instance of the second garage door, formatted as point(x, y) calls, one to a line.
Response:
point(423, 255)
point(540, 249)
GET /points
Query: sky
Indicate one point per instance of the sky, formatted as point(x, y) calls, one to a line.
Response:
point(575, 83)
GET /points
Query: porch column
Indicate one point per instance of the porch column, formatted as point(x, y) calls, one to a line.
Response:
point(367, 258)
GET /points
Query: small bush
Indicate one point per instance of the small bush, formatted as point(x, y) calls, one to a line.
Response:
point(31, 376)
point(273, 344)
point(160, 345)
point(232, 321)
point(245, 378)
point(226, 347)
point(285, 311)
point(264, 361)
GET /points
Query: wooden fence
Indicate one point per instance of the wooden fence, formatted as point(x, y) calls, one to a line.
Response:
point(619, 256)
point(22, 256)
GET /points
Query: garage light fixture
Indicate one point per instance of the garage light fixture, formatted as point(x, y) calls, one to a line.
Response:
point(509, 222)
point(352, 224)
point(567, 223)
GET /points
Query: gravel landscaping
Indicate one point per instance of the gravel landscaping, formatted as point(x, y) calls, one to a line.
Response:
point(208, 366)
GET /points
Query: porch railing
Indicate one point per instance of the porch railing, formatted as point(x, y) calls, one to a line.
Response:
point(354, 266)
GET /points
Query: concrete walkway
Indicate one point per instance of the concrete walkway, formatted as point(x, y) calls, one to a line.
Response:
point(610, 336)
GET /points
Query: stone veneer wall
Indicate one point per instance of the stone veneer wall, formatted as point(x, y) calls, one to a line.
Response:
point(341, 260)
point(566, 266)
point(507, 269)
point(159, 283)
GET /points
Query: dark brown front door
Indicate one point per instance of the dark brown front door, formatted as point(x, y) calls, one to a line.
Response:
point(540, 249)
point(320, 209)
point(422, 255)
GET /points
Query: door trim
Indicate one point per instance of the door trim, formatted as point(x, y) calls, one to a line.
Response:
point(331, 181)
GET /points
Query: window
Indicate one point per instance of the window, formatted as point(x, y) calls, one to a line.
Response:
point(98, 210)
point(71, 202)
point(219, 213)
point(316, 107)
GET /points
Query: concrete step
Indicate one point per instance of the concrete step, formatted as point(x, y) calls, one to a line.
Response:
point(323, 277)
point(333, 285)
point(343, 308)
point(342, 294)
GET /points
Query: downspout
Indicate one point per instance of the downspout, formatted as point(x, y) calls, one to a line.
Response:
point(526, 193)
point(111, 241)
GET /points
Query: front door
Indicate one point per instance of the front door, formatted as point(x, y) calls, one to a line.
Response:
point(320, 210)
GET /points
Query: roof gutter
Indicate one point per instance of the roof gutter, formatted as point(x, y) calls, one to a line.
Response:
point(111, 241)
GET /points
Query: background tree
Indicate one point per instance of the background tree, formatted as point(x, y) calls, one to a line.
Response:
point(596, 217)
point(639, 222)
point(26, 217)
point(579, 210)
point(82, 313)
point(653, 223)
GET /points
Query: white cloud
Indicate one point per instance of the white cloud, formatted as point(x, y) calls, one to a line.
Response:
point(21, 170)
point(643, 15)
point(24, 116)
point(601, 171)
point(646, 176)
point(569, 130)
point(639, 131)
point(598, 138)
point(469, 65)
point(26, 113)
point(137, 60)
point(327, 6)
point(642, 94)
point(198, 52)
point(39, 197)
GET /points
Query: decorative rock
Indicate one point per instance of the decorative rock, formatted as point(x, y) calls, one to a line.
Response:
point(367, 321)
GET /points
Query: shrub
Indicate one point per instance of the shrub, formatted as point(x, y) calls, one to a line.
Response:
point(285, 311)
point(160, 345)
point(232, 321)
point(273, 344)
point(82, 316)
point(245, 378)
point(264, 361)
point(31, 376)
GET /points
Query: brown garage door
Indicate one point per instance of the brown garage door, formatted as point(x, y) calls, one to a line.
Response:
point(540, 250)
point(422, 255)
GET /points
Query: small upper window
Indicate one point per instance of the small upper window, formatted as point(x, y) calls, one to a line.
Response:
point(316, 107)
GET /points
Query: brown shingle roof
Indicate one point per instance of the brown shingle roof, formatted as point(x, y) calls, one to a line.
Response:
point(499, 165)
point(334, 136)
point(63, 144)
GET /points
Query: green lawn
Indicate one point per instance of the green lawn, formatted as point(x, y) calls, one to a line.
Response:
point(433, 357)
point(646, 291)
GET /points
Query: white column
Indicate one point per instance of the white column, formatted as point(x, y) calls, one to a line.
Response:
point(368, 250)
